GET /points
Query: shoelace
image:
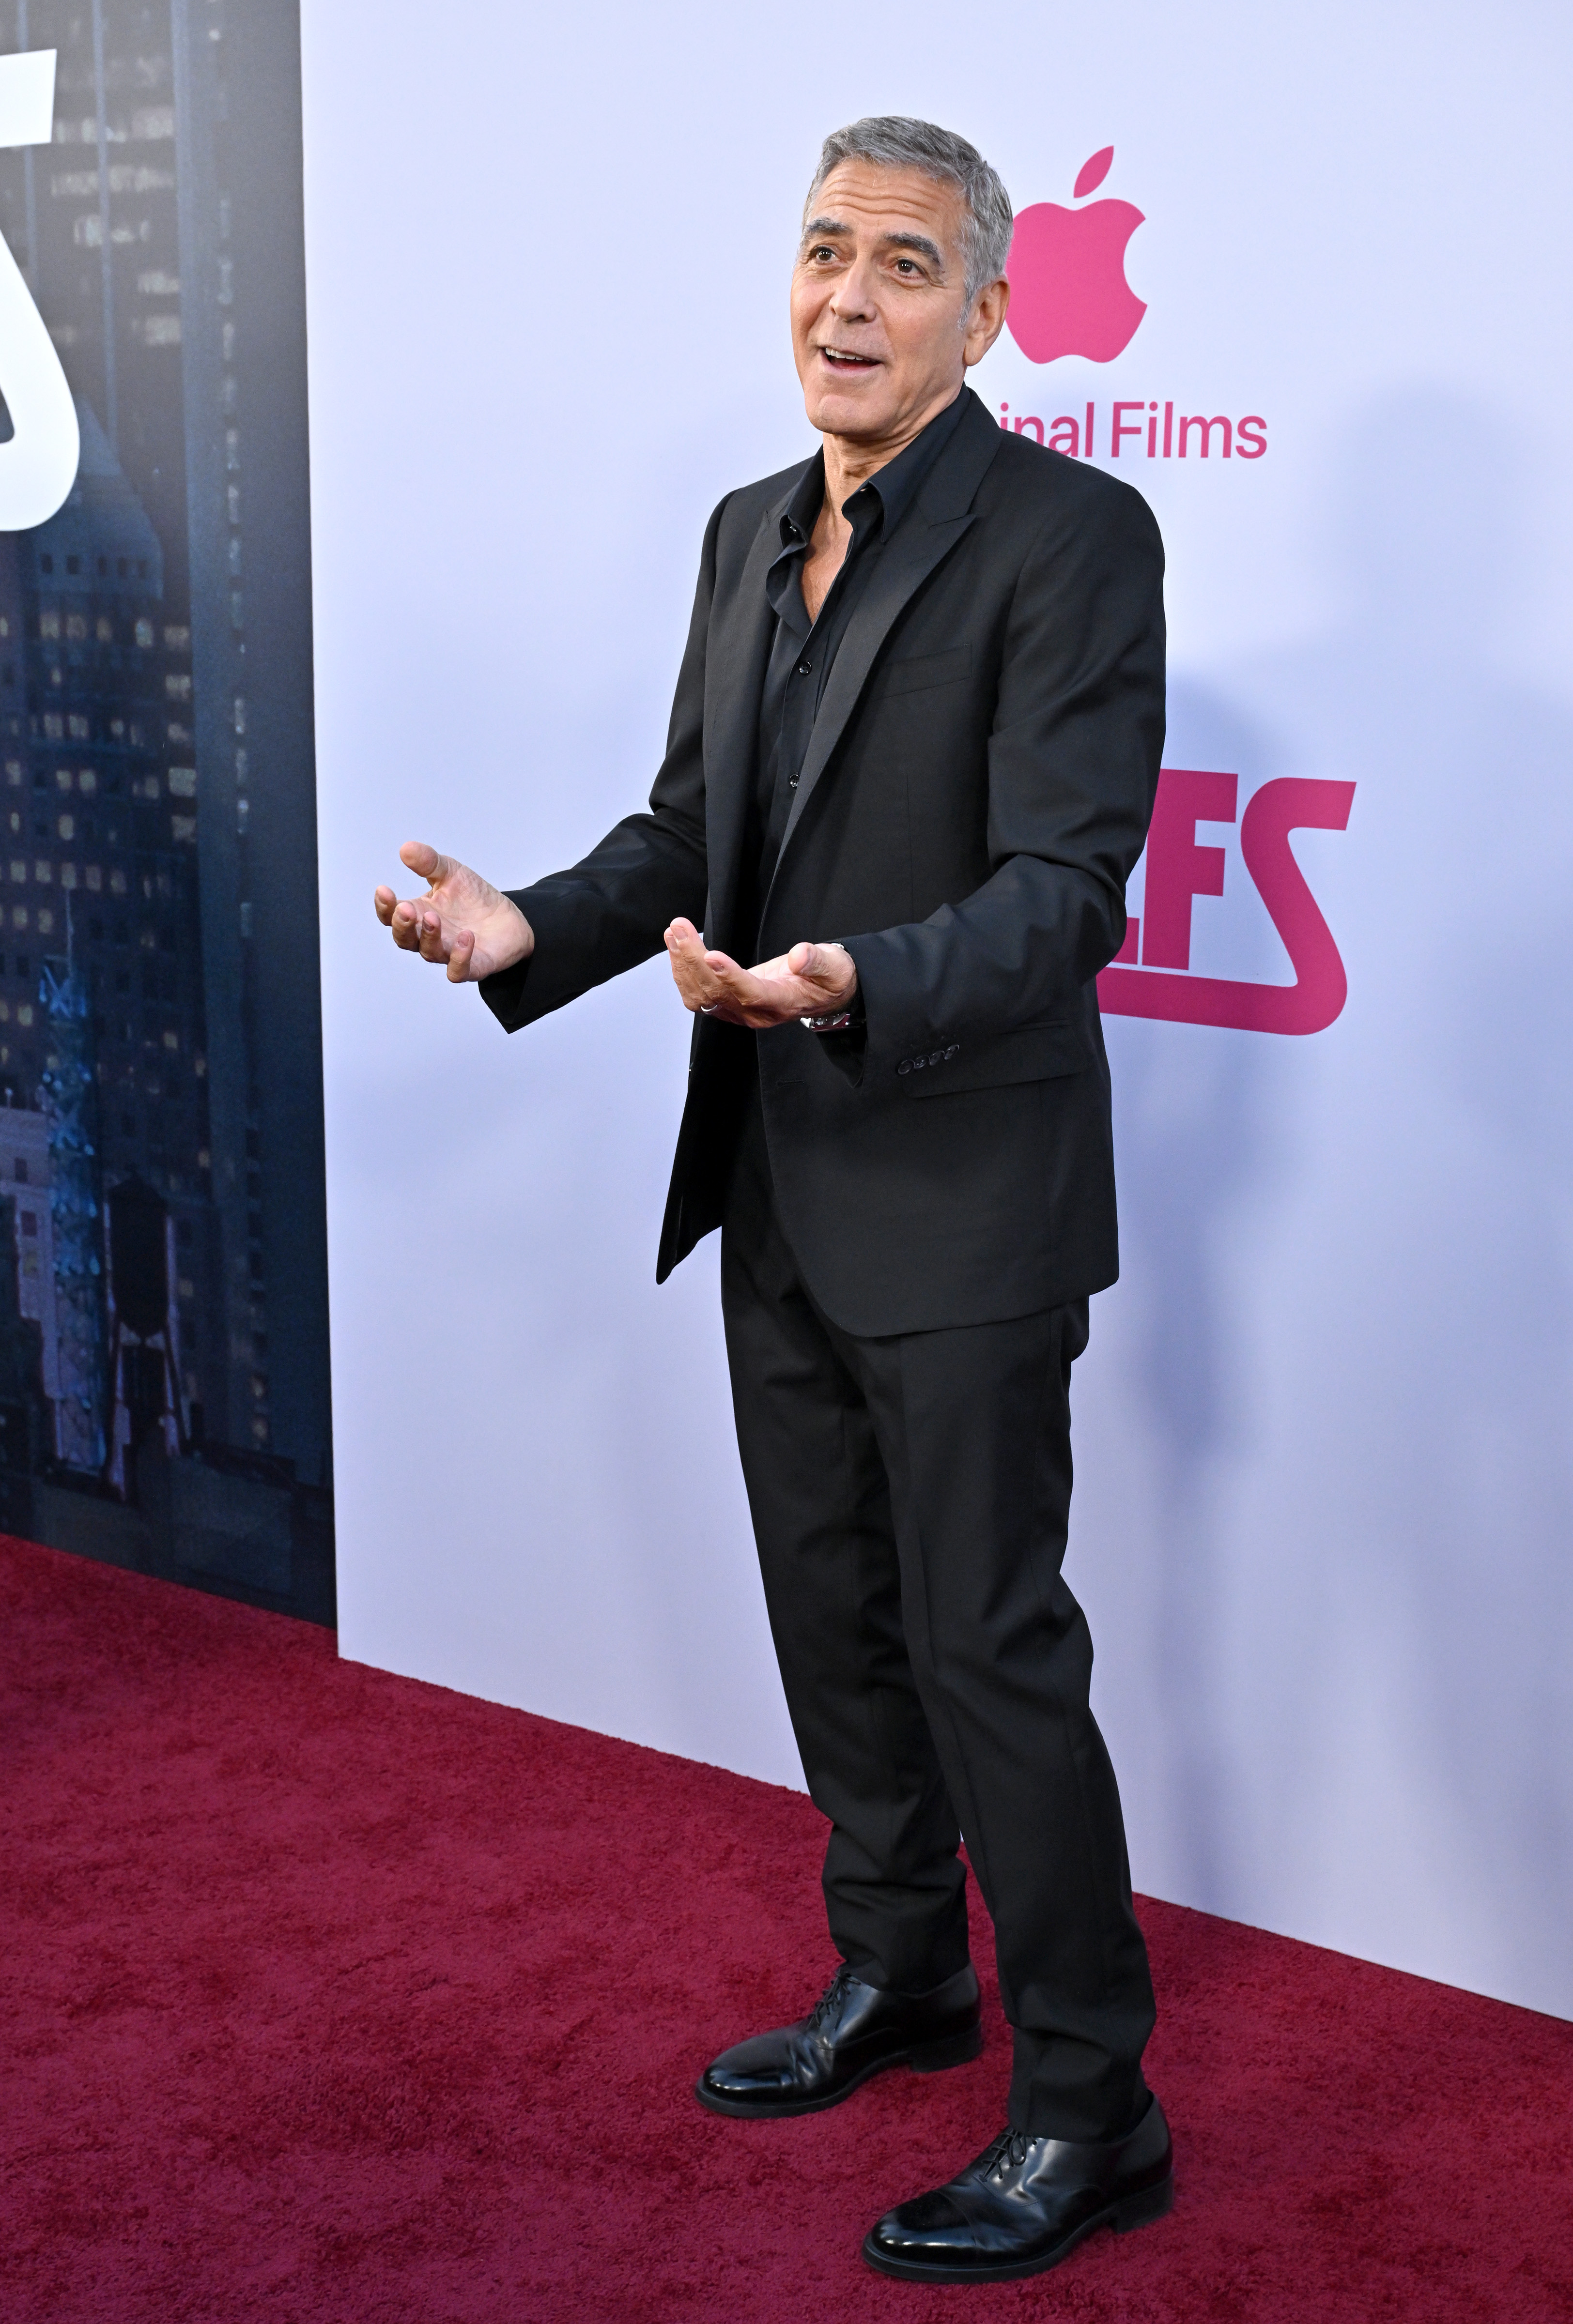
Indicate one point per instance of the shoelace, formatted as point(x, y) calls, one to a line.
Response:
point(830, 1999)
point(1010, 2146)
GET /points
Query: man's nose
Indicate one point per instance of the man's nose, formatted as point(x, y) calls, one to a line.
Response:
point(853, 300)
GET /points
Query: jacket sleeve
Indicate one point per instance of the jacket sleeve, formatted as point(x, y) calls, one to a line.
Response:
point(1073, 759)
point(610, 911)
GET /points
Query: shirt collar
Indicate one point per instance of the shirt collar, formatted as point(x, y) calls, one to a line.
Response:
point(887, 495)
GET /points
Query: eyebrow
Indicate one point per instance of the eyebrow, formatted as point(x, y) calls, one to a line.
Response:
point(918, 241)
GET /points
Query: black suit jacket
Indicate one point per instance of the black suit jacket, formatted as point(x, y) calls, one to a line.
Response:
point(975, 793)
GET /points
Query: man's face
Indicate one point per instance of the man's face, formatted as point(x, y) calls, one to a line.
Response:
point(880, 332)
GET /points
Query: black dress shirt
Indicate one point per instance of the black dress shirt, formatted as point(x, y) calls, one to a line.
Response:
point(802, 654)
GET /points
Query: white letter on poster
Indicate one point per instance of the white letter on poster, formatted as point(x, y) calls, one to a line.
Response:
point(39, 466)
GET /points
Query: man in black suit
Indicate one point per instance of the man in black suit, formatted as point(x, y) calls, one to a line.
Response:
point(912, 761)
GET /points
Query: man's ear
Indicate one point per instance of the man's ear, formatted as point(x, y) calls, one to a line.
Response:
point(987, 320)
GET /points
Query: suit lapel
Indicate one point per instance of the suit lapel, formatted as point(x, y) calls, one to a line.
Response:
point(736, 654)
point(942, 513)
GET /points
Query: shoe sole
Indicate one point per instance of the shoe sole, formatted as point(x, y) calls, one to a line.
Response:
point(923, 2058)
point(1139, 2210)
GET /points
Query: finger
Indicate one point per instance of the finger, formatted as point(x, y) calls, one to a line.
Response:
point(683, 946)
point(702, 977)
point(697, 987)
point(460, 956)
point(819, 963)
point(419, 856)
point(433, 946)
point(383, 903)
point(405, 926)
point(683, 941)
point(826, 972)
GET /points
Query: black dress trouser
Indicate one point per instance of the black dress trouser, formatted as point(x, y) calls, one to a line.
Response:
point(910, 1498)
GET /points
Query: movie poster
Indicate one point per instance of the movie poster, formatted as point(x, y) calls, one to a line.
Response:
point(163, 1302)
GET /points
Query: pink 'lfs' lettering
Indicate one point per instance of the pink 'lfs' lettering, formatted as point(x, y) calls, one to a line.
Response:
point(1177, 870)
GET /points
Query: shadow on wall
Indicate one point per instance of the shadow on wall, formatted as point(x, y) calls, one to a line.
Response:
point(1197, 1128)
point(1356, 1403)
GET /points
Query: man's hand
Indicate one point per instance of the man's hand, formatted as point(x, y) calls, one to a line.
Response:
point(462, 923)
point(812, 979)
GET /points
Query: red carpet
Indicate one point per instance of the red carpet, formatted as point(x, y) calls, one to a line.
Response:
point(333, 1997)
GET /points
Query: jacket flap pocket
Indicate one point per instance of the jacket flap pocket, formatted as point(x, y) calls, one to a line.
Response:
point(1036, 1053)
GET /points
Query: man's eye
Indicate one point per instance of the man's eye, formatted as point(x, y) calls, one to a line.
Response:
point(822, 250)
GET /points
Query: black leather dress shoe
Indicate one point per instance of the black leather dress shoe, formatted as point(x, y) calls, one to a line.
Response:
point(1025, 2203)
point(853, 2031)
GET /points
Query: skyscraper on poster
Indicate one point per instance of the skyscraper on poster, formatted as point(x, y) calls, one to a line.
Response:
point(156, 786)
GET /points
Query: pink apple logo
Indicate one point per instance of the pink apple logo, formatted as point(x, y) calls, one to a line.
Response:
point(1067, 269)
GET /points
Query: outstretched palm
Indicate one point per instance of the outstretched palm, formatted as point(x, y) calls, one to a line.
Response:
point(462, 923)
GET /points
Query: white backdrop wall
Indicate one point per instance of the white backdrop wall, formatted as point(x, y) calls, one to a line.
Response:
point(1326, 1460)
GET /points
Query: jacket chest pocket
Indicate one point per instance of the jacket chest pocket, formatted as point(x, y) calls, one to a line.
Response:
point(915, 673)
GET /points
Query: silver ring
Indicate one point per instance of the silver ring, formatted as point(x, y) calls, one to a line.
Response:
point(709, 1008)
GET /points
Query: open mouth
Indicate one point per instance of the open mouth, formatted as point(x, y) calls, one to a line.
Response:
point(847, 359)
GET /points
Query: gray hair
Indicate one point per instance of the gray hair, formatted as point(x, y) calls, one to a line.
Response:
point(895, 142)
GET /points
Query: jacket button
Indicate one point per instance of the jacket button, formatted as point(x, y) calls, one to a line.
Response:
point(905, 1066)
point(954, 1050)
